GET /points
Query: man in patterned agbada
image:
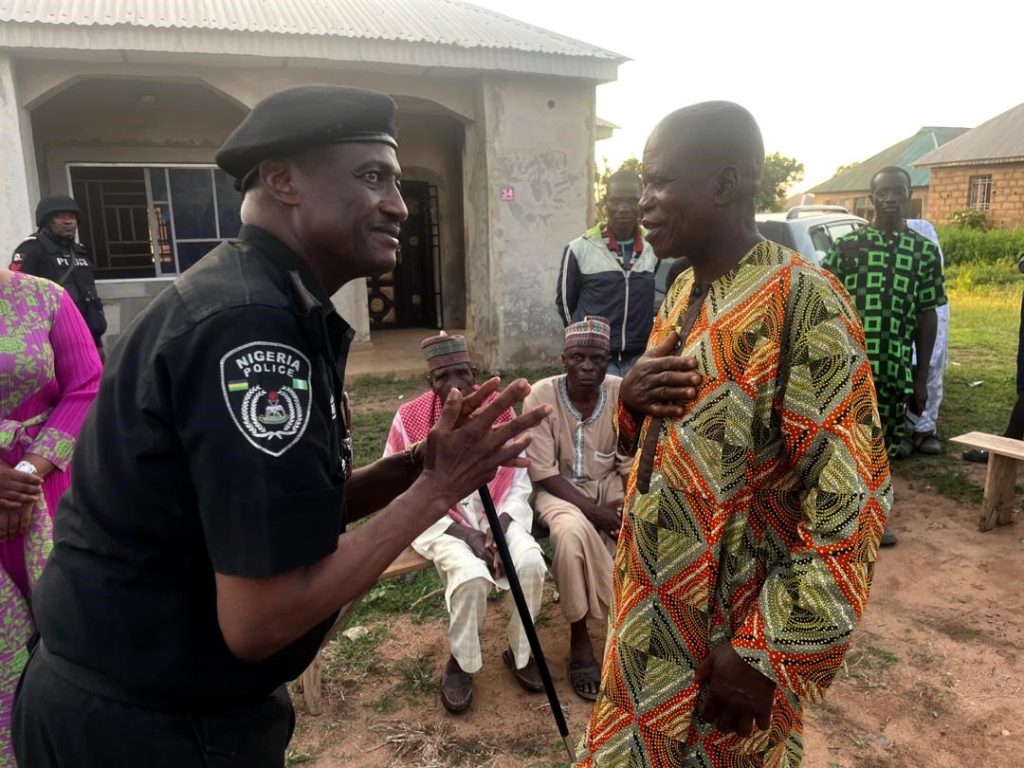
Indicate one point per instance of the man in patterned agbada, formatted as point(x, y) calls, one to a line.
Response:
point(760, 485)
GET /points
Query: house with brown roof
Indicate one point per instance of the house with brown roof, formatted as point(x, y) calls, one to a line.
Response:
point(983, 169)
point(852, 188)
point(123, 103)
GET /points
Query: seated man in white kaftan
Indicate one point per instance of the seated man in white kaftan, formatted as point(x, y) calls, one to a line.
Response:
point(461, 545)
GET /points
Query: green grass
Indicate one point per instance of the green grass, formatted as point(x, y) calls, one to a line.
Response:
point(418, 596)
point(354, 659)
point(982, 347)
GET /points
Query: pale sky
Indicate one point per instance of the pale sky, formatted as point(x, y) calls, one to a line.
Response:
point(828, 85)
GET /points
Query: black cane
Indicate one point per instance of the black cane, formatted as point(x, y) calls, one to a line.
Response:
point(524, 615)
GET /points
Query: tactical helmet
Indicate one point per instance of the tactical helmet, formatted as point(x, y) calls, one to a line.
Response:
point(49, 206)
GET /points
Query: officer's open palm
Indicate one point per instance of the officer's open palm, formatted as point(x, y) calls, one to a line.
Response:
point(661, 381)
point(460, 459)
point(474, 403)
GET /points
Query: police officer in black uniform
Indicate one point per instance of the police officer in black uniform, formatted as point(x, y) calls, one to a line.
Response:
point(201, 556)
point(53, 253)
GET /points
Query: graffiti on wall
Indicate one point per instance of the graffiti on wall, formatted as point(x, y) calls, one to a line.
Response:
point(541, 183)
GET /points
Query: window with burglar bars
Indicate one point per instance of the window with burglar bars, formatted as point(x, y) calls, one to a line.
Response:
point(143, 221)
point(979, 194)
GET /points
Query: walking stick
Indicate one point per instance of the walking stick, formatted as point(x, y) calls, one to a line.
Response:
point(524, 616)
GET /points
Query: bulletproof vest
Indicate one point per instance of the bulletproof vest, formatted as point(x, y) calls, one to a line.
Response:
point(80, 283)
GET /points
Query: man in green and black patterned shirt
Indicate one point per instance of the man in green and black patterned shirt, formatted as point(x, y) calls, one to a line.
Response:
point(894, 276)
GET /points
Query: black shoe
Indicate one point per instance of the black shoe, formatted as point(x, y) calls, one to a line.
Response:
point(976, 455)
point(888, 538)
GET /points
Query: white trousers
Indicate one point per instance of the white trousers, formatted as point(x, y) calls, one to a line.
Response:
point(468, 583)
point(936, 372)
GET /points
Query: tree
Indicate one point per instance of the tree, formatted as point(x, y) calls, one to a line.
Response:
point(845, 168)
point(779, 174)
point(604, 172)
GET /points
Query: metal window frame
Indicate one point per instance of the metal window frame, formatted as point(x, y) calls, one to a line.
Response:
point(159, 273)
point(983, 201)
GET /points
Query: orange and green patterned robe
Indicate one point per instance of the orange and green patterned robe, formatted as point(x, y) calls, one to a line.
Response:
point(761, 524)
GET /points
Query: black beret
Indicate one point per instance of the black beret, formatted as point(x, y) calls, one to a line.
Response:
point(296, 119)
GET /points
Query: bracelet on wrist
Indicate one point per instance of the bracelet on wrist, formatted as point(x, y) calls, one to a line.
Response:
point(412, 458)
point(27, 467)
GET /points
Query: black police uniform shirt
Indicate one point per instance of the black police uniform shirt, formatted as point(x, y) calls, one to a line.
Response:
point(48, 256)
point(214, 445)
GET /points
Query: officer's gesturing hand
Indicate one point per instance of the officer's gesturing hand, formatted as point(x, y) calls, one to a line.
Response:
point(259, 616)
point(460, 459)
point(660, 381)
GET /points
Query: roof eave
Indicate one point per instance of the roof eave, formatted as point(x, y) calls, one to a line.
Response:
point(71, 39)
point(976, 161)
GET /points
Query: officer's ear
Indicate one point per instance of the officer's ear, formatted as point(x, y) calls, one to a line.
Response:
point(277, 177)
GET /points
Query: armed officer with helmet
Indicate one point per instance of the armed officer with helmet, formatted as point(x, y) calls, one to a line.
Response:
point(53, 253)
point(202, 552)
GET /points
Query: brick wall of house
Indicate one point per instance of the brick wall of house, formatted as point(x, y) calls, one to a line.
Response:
point(950, 188)
point(860, 202)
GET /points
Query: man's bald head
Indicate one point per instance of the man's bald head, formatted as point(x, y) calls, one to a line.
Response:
point(715, 134)
point(702, 171)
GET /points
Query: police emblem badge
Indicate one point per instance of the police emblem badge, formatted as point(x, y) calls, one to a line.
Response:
point(268, 391)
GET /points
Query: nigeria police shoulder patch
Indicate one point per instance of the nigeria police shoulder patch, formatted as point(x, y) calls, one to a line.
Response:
point(268, 390)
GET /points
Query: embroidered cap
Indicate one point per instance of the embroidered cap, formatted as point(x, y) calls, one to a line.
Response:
point(591, 331)
point(443, 350)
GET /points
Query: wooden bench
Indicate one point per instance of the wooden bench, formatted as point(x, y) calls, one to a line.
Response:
point(407, 562)
point(1001, 478)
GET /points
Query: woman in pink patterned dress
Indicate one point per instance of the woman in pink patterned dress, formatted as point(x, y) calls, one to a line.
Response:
point(49, 374)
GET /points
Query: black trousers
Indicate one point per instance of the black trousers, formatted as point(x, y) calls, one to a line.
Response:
point(58, 725)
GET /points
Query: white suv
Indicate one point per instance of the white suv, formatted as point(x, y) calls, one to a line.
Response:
point(809, 229)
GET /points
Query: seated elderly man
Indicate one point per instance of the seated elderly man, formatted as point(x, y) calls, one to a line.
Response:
point(461, 545)
point(580, 486)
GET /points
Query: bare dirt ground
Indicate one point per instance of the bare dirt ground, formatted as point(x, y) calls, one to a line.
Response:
point(935, 677)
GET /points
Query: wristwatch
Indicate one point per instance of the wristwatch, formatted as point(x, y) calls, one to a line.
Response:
point(27, 467)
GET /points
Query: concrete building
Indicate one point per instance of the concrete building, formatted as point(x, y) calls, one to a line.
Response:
point(852, 188)
point(123, 103)
point(983, 169)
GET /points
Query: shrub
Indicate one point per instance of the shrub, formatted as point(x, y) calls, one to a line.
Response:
point(961, 245)
point(969, 275)
point(971, 218)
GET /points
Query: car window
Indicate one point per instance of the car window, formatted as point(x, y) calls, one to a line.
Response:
point(841, 229)
point(820, 238)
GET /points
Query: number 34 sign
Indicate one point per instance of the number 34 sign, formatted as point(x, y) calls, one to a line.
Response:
point(508, 194)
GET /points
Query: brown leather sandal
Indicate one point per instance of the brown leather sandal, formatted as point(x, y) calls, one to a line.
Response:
point(456, 696)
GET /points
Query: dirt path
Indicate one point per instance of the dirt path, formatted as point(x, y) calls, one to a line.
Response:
point(935, 677)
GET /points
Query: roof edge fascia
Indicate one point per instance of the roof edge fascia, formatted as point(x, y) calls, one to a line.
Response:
point(64, 38)
point(976, 162)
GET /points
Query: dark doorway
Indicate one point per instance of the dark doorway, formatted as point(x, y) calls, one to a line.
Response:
point(410, 295)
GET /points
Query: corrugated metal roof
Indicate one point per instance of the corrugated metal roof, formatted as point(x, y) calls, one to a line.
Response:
point(999, 140)
point(440, 22)
point(903, 154)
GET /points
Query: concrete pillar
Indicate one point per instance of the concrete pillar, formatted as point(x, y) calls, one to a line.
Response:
point(481, 317)
point(17, 164)
point(533, 155)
